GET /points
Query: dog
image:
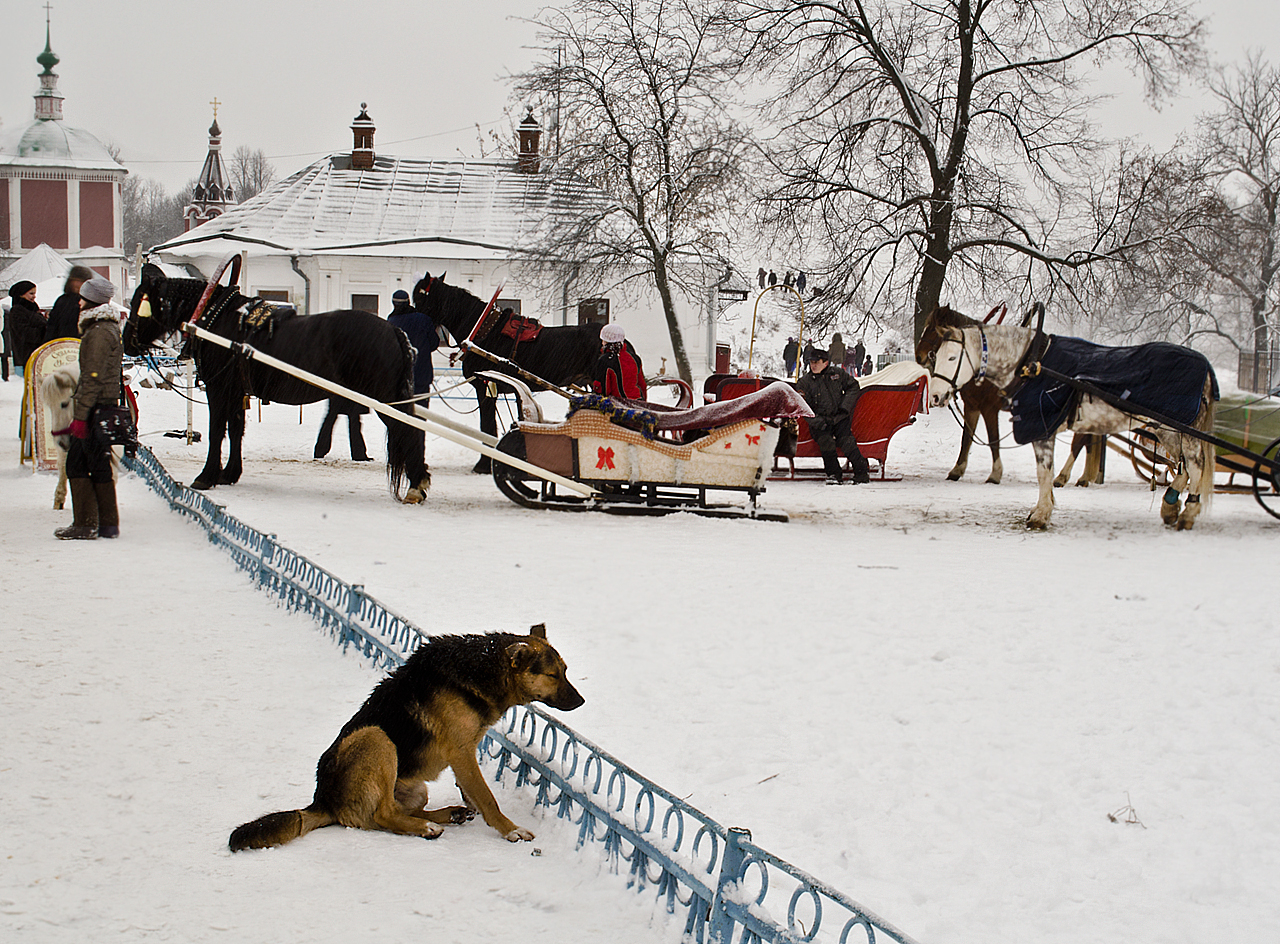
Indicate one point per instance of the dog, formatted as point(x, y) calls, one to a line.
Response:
point(427, 715)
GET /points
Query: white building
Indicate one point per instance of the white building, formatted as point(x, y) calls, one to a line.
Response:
point(60, 187)
point(350, 229)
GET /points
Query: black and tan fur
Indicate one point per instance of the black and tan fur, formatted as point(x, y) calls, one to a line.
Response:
point(429, 714)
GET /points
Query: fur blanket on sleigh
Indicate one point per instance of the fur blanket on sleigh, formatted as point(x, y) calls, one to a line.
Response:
point(775, 401)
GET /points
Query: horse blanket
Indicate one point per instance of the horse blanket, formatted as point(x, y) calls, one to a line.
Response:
point(1161, 377)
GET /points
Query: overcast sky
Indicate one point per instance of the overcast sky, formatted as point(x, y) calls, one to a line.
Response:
point(290, 76)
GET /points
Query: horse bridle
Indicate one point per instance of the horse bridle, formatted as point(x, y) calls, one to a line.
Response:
point(980, 369)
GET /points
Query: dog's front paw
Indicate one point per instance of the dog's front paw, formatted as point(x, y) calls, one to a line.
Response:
point(517, 834)
point(431, 830)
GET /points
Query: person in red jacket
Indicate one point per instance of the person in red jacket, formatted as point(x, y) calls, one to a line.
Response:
point(618, 371)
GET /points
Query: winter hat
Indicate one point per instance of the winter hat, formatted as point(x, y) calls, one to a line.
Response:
point(818, 354)
point(399, 295)
point(18, 289)
point(612, 334)
point(97, 290)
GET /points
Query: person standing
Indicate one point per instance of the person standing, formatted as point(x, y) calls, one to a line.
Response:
point(789, 355)
point(6, 350)
point(422, 334)
point(341, 406)
point(25, 322)
point(832, 395)
point(618, 372)
point(93, 489)
point(859, 352)
point(64, 316)
point(836, 350)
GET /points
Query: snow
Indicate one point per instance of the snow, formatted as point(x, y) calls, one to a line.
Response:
point(901, 691)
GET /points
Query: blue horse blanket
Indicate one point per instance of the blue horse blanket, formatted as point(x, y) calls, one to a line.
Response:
point(1161, 377)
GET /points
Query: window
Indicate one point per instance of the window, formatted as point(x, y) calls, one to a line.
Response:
point(502, 304)
point(365, 303)
point(593, 311)
point(274, 295)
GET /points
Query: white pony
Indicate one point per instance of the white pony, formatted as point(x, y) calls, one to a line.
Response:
point(997, 354)
point(57, 391)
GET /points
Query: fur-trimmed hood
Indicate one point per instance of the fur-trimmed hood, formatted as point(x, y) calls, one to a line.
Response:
point(98, 313)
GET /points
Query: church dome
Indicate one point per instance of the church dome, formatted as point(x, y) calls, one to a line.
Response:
point(54, 144)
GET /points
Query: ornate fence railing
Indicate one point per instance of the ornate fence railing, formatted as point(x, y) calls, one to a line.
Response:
point(725, 887)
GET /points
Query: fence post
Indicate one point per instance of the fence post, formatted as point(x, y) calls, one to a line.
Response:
point(727, 884)
point(266, 557)
point(355, 603)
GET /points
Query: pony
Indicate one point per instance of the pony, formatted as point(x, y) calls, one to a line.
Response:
point(983, 399)
point(561, 354)
point(57, 392)
point(355, 349)
point(998, 353)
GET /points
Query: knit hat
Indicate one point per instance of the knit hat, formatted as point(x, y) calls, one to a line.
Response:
point(399, 295)
point(18, 289)
point(612, 334)
point(97, 290)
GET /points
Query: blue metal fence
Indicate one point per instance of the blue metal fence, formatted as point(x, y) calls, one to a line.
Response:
point(714, 877)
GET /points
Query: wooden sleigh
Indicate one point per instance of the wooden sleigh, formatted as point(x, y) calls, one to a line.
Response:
point(889, 402)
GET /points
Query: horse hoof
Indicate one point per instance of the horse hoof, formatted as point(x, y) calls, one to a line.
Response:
point(203, 485)
point(482, 467)
point(413, 497)
point(954, 476)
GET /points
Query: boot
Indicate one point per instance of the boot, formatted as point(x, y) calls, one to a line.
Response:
point(108, 513)
point(831, 465)
point(84, 513)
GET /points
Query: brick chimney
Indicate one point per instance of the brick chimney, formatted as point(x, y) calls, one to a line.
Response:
point(362, 148)
point(530, 134)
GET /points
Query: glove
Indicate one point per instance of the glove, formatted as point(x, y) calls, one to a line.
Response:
point(79, 429)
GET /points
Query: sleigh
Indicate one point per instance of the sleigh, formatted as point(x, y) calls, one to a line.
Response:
point(889, 402)
point(643, 458)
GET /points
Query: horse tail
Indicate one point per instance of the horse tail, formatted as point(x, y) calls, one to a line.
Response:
point(1208, 452)
point(406, 445)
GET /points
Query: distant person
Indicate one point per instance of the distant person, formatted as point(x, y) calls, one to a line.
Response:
point(25, 322)
point(6, 348)
point(836, 350)
point(867, 368)
point(89, 475)
point(761, 276)
point(618, 372)
point(859, 352)
point(773, 278)
point(789, 354)
point(832, 395)
point(64, 316)
point(341, 406)
point(422, 334)
point(800, 282)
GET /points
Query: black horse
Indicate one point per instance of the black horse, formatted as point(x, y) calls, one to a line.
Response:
point(356, 349)
point(562, 354)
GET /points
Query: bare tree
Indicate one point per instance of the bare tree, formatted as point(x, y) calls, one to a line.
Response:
point(251, 172)
point(637, 88)
point(915, 136)
point(150, 215)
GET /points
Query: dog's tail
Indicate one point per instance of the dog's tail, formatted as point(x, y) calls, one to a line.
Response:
point(275, 829)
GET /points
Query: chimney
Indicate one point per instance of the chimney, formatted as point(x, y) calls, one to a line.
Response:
point(362, 148)
point(530, 134)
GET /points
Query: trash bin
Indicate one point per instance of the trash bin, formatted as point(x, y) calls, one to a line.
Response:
point(722, 358)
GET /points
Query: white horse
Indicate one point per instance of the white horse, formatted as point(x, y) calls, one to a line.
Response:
point(997, 352)
point(57, 391)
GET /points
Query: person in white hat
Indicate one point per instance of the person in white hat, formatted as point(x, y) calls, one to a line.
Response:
point(618, 372)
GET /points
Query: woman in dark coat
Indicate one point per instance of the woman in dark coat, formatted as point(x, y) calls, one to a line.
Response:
point(64, 316)
point(93, 489)
point(26, 323)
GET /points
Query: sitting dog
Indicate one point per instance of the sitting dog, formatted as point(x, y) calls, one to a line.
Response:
point(427, 715)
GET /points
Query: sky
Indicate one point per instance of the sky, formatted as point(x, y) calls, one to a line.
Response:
point(290, 79)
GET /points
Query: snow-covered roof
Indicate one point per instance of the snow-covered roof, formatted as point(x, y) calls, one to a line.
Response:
point(55, 144)
point(38, 265)
point(477, 206)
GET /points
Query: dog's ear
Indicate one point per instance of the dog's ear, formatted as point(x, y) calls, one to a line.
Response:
point(521, 655)
point(538, 631)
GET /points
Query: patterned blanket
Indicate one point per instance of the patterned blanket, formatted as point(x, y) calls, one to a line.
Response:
point(1160, 377)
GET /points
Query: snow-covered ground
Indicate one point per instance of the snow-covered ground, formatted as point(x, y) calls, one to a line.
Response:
point(900, 691)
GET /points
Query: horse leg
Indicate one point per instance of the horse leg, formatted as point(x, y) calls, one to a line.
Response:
point(966, 441)
point(488, 422)
point(991, 415)
point(1094, 446)
point(407, 460)
point(208, 476)
point(235, 462)
point(60, 490)
point(1065, 472)
point(1171, 504)
point(1039, 518)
